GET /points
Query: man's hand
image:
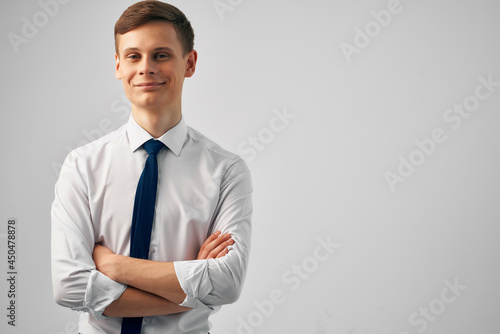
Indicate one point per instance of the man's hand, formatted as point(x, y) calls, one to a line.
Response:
point(150, 280)
point(105, 261)
point(215, 246)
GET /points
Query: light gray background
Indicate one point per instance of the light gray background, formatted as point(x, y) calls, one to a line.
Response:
point(320, 175)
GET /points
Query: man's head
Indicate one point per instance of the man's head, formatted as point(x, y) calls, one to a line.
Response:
point(152, 10)
point(154, 53)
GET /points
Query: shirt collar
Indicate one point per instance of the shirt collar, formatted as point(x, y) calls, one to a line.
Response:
point(173, 138)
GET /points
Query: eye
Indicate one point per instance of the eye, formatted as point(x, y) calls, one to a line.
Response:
point(162, 56)
point(133, 56)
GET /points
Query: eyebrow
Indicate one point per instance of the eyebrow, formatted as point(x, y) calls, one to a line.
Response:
point(164, 48)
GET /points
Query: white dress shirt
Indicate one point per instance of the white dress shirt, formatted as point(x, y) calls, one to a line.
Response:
point(201, 189)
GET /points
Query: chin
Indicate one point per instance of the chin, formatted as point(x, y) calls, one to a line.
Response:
point(149, 99)
point(151, 104)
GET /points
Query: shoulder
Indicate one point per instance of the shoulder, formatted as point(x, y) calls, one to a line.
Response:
point(233, 162)
point(95, 148)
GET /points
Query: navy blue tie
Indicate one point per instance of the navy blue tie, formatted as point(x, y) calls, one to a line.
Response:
point(142, 219)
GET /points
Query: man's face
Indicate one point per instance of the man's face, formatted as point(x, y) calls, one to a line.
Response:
point(152, 67)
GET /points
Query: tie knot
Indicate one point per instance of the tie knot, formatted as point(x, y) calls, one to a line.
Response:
point(153, 146)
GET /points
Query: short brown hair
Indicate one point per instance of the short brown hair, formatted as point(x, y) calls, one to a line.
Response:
point(151, 10)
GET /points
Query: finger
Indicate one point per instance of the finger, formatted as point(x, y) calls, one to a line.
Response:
point(220, 239)
point(205, 247)
point(211, 238)
point(224, 252)
point(222, 249)
point(216, 251)
point(207, 250)
point(217, 241)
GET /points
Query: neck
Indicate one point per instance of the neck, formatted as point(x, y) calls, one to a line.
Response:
point(156, 123)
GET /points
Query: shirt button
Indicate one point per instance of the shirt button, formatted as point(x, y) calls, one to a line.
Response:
point(151, 250)
point(147, 320)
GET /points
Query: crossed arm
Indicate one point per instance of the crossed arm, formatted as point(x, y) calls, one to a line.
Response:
point(153, 287)
point(126, 287)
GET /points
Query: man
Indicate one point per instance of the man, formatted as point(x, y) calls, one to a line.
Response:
point(198, 248)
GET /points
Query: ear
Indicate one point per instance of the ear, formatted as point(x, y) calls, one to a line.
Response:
point(118, 74)
point(191, 59)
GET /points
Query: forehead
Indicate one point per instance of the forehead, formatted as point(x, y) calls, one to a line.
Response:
point(149, 36)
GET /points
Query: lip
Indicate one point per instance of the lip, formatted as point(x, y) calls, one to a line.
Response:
point(149, 85)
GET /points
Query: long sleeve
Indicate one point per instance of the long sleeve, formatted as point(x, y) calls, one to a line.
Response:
point(76, 283)
point(219, 281)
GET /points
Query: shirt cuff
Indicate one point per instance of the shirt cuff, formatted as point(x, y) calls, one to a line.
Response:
point(195, 281)
point(101, 291)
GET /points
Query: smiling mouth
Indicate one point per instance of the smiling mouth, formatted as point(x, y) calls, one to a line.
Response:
point(149, 85)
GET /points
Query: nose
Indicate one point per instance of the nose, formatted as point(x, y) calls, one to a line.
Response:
point(147, 66)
